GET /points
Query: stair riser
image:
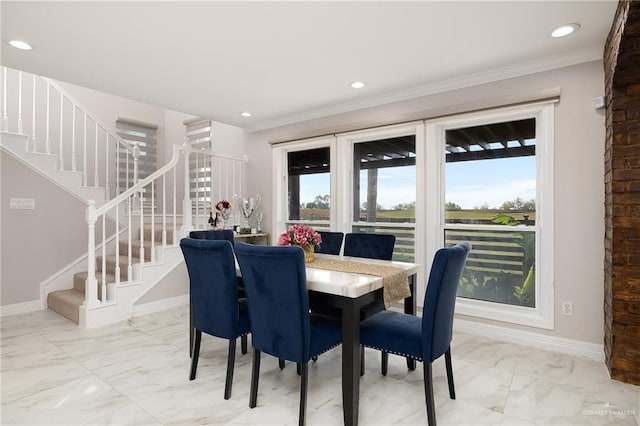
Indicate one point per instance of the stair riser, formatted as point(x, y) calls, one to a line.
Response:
point(80, 278)
point(158, 235)
point(135, 250)
point(58, 302)
point(111, 266)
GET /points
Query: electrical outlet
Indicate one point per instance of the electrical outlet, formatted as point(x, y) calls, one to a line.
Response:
point(567, 308)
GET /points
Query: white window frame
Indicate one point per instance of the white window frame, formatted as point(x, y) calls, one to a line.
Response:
point(346, 144)
point(542, 316)
point(281, 178)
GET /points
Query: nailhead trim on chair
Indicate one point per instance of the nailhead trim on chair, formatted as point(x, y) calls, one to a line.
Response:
point(395, 353)
point(328, 349)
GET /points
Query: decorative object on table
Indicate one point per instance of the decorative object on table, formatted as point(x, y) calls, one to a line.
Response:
point(259, 219)
point(303, 236)
point(224, 207)
point(236, 213)
point(247, 207)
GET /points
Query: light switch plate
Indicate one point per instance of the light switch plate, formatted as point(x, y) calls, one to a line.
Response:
point(22, 204)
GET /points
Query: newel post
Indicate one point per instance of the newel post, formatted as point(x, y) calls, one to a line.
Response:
point(91, 284)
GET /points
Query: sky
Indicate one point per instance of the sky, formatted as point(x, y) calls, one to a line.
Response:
point(468, 183)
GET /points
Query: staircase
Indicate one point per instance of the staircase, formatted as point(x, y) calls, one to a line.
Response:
point(67, 302)
point(133, 233)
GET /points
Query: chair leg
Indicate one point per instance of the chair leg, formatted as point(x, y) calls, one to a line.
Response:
point(361, 360)
point(243, 344)
point(304, 379)
point(298, 369)
point(452, 389)
point(231, 360)
point(255, 372)
point(385, 363)
point(195, 353)
point(428, 394)
point(281, 363)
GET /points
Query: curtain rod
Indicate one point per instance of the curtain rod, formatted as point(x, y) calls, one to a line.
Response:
point(548, 95)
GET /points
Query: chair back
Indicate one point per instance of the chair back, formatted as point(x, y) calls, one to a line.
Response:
point(213, 234)
point(213, 286)
point(372, 246)
point(331, 242)
point(440, 299)
point(275, 281)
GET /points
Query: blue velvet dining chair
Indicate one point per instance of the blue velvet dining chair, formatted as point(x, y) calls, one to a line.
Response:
point(331, 242)
point(222, 234)
point(372, 246)
point(428, 338)
point(213, 234)
point(276, 284)
point(216, 308)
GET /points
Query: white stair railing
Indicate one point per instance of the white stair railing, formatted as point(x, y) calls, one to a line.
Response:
point(59, 125)
point(151, 204)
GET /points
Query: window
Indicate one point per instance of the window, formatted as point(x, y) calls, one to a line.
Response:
point(143, 136)
point(490, 187)
point(484, 177)
point(309, 185)
point(495, 189)
point(305, 183)
point(384, 190)
point(199, 136)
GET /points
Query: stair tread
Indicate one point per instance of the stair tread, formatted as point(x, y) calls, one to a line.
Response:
point(110, 277)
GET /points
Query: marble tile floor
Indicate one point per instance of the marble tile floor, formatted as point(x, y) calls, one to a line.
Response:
point(136, 373)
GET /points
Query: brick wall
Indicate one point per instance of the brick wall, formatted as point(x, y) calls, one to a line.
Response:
point(622, 195)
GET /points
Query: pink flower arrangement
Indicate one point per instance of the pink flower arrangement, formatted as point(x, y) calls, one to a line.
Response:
point(299, 235)
point(223, 204)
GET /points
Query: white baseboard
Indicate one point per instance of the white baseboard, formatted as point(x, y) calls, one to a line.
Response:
point(160, 305)
point(20, 308)
point(527, 338)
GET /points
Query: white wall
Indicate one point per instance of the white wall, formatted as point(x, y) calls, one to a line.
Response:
point(174, 284)
point(579, 171)
point(35, 243)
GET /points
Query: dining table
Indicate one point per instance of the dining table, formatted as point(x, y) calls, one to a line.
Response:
point(350, 292)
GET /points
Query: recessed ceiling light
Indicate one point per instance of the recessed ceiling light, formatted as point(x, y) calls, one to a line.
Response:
point(565, 30)
point(245, 114)
point(357, 85)
point(22, 45)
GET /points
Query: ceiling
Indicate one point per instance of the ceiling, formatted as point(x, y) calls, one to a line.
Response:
point(287, 62)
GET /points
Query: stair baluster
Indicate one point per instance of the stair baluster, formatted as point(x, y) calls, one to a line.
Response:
point(34, 145)
point(73, 139)
point(20, 102)
point(48, 135)
point(5, 108)
point(61, 143)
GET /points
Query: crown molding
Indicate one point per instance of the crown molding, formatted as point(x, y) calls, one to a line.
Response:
point(517, 70)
